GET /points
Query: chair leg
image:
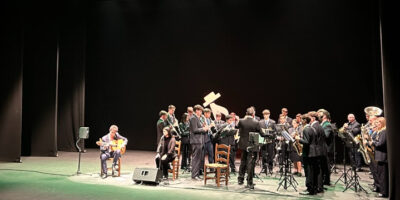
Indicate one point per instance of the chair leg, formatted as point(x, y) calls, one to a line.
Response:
point(227, 176)
point(205, 175)
point(218, 176)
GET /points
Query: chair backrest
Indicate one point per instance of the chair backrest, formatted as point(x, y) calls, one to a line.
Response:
point(178, 148)
point(222, 152)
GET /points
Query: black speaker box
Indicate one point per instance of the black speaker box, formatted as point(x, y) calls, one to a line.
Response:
point(147, 175)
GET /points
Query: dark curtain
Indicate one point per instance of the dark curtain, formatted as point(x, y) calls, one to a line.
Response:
point(40, 67)
point(391, 90)
point(71, 74)
point(10, 81)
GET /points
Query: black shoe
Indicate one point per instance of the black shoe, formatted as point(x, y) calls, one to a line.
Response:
point(197, 178)
point(320, 190)
point(359, 170)
point(103, 176)
point(307, 193)
point(380, 195)
point(200, 172)
point(250, 186)
point(240, 182)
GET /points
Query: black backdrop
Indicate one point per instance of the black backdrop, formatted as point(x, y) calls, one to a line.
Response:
point(303, 55)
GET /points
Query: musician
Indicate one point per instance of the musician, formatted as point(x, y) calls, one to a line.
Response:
point(106, 151)
point(355, 129)
point(323, 171)
point(218, 120)
point(372, 128)
point(294, 131)
point(284, 113)
point(281, 144)
point(161, 124)
point(381, 158)
point(198, 131)
point(298, 119)
point(208, 145)
point(171, 115)
point(310, 157)
point(185, 143)
point(325, 118)
point(268, 147)
point(249, 154)
point(235, 118)
point(189, 110)
point(165, 151)
point(227, 138)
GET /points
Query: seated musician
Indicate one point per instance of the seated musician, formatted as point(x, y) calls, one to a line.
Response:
point(165, 151)
point(106, 150)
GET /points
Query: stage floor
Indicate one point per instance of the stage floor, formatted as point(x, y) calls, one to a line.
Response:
point(55, 178)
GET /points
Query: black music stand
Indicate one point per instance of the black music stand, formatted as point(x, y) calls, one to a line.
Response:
point(254, 141)
point(347, 140)
point(288, 178)
point(83, 134)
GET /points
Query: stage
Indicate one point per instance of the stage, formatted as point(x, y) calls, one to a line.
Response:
point(55, 178)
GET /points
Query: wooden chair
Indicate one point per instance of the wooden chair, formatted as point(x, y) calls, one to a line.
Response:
point(110, 168)
point(176, 161)
point(221, 165)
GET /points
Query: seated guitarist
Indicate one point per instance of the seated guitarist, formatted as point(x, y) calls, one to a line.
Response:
point(106, 150)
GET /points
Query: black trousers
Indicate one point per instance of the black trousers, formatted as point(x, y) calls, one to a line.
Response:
point(325, 171)
point(185, 150)
point(197, 154)
point(311, 169)
point(382, 181)
point(372, 167)
point(356, 158)
point(247, 164)
point(164, 164)
point(268, 153)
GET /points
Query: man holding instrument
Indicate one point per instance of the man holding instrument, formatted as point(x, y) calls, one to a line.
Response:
point(109, 150)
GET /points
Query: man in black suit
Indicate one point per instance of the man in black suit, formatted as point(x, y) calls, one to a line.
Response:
point(227, 136)
point(323, 169)
point(268, 147)
point(161, 124)
point(355, 129)
point(310, 160)
point(247, 162)
point(197, 141)
point(284, 114)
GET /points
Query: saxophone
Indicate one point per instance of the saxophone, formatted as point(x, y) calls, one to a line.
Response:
point(363, 147)
point(297, 146)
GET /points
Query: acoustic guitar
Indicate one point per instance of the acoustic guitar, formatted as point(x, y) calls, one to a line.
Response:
point(113, 145)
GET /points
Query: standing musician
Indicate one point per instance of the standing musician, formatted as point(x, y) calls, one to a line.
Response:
point(198, 131)
point(281, 144)
point(354, 128)
point(161, 124)
point(106, 150)
point(173, 122)
point(165, 151)
point(370, 129)
point(189, 110)
point(208, 145)
point(284, 114)
point(226, 137)
point(325, 118)
point(248, 158)
point(218, 120)
point(323, 168)
point(268, 147)
point(185, 145)
point(294, 131)
point(310, 157)
point(382, 170)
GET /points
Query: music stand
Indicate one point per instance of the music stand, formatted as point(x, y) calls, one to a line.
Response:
point(83, 134)
point(288, 178)
point(254, 141)
point(347, 140)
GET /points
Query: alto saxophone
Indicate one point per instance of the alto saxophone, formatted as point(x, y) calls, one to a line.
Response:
point(297, 146)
